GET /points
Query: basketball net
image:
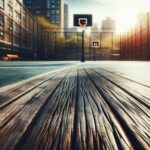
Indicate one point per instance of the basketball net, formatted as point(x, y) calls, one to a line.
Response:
point(95, 46)
point(83, 23)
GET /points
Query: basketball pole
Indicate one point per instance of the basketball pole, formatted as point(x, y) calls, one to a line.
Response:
point(94, 53)
point(82, 21)
point(82, 58)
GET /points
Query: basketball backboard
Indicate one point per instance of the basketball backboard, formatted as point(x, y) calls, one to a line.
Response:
point(82, 20)
point(95, 44)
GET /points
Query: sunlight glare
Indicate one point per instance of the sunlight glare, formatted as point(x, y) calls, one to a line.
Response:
point(125, 21)
point(88, 30)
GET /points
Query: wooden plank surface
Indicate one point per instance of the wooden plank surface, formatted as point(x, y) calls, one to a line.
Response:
point(79, 108)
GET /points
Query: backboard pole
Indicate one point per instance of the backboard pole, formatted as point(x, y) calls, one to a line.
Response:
point(94, 53)
point(82, 57)
point(83, 21)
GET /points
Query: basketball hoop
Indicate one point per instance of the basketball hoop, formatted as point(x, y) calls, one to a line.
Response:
point(96, 44)
point(83, 22)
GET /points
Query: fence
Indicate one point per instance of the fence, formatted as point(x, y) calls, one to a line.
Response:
point(135, 44)
point(61, 44)
point(19, 32)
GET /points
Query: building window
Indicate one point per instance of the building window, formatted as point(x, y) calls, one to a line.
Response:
point(1, 27)
point(17, 30)
point(18, 6)
point(1, 20)
point(17, 17)
point(10, 11)
point(1, 4)
point(24, 20)
point(10, 25)
point(1, 35)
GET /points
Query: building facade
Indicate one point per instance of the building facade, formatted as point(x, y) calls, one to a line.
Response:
point(108, 25)
point(95, 33)
point(109, 39)
point(19, 33)
point(66, 16)
point(52, 10)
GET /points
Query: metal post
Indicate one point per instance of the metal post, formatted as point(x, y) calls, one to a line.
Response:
point(41, 44)
point(48, 49)
point(140, 53)
point(33, 40)
point(148, 37)
point(131, 38)
point(100, 45)
point(55, 47)
point(135, 44)
point(63, 56)
point(120, 47)
point(21, 9)
point(77, 47)
point(29, 37)
point(94, 54)
point(131, 44)
point(45, 45)
point(127, 51)
point(112, 47)
point(82, 58)
point(25, 30)
point(90, 48)
point(44, 42)
point(12, 35)
point(37, 41)
point(51, 44)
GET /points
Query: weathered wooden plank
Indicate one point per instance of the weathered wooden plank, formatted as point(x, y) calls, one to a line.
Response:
point(95, 125)
point(142, 79)
point(54, 127)
point(84, 109)
point(18, 116)
point(127, 107)
point(136, 89)
point(9, 95)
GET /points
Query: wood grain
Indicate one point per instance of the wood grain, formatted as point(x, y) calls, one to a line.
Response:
point(80, 108)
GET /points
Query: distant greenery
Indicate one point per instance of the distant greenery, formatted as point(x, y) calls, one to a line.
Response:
point(45, 23)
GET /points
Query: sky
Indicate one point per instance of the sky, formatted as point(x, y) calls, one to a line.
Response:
point(123, 11)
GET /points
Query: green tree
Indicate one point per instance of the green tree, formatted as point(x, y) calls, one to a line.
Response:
point(45, 23)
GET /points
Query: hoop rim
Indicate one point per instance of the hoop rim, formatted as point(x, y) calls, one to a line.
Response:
point(83, 25)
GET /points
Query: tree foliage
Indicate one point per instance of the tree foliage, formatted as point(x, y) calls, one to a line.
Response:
point(45, 23)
